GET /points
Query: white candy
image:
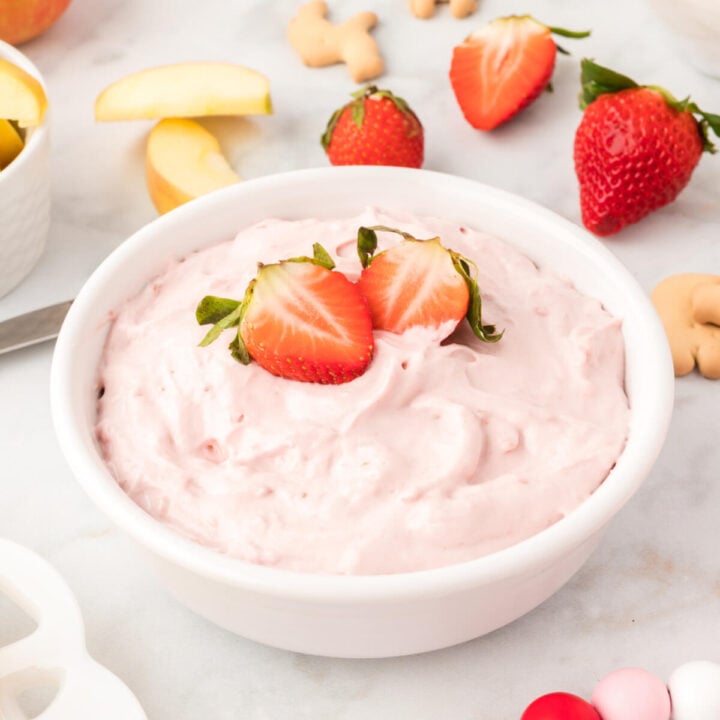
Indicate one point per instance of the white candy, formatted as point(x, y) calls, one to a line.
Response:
point(695, 691)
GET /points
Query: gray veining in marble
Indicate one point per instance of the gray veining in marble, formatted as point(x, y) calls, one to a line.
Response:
point(650, 596)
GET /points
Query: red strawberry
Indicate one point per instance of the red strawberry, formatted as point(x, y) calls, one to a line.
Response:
point(376, 128)
point(299, 319)
point(419, 283)
point(635, 148)
point(503, 67)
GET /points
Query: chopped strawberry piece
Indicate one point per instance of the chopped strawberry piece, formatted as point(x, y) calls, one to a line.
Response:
point(307, 323)
point(414, 283)
point(419, 283)
point(299, 320)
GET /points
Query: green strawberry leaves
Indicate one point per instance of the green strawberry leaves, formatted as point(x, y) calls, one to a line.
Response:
point(367, 241)
point(320, 257)
point(207, 312)
point(486, 333)
point(597, 80)
point(366, 245)
point(709, 120)
point(466, 268)
point(213, 309)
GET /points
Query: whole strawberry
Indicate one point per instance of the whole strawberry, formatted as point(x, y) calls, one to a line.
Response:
point(376, 128)
point(635, 148)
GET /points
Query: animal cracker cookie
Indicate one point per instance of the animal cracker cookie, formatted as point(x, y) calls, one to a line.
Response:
point(689, 307)
point(320, 43)
point(459, 8)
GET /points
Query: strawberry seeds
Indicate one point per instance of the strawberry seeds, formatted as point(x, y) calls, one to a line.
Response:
point(302, 320)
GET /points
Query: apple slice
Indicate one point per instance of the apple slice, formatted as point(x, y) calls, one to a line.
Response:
point(10, 143)
point(184, 161)
point(22, 97)
point(186, 90)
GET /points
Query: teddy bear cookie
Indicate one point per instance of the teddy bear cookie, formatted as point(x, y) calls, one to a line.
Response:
point(318, 42)
point(689, 307)
point(459, 8)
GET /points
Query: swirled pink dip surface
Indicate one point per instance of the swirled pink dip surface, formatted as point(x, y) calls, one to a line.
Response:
point(439, 453)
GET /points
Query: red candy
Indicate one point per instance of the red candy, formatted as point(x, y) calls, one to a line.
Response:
point(560, 706)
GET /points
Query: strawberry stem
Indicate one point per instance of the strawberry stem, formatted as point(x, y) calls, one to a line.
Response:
point(563, 32)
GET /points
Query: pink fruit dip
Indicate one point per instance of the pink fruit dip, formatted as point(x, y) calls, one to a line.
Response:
point(440, 453)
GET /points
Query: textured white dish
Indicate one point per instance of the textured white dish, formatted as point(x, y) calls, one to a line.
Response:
point(54, 655)
point(365, 616)
point(24, 195)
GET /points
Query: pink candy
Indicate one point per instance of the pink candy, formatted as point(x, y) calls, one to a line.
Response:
point(693, 693)
point(631, 694)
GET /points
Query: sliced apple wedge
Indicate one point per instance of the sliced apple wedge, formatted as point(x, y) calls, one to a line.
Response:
point(184, 161)
point(186, 90)
point(22, 97)
point(10, 143)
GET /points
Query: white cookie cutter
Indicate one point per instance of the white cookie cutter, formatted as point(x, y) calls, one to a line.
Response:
point(55, 653)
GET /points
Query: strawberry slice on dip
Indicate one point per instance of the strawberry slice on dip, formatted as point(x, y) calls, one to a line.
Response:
point(299, 320)
point(503, 67)
point(419, 283)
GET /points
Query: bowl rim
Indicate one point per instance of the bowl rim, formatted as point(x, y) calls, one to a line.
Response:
point(38, 135)
point(531, 555)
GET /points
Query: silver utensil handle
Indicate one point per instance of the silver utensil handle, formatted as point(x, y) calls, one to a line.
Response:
point(33, 327)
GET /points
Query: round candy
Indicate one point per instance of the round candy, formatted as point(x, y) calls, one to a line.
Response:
point(695, 691)
point(631, 694)
point(560, 706)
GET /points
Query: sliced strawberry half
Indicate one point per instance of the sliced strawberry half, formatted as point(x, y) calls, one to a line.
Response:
point(503, 67)
point(419, 283)
point(299, 320)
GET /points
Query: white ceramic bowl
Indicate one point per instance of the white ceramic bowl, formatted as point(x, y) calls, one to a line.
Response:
point(24, 195)
point(365, 616)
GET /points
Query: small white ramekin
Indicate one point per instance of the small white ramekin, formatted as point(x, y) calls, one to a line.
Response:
point(365, 616)
point(24, 195)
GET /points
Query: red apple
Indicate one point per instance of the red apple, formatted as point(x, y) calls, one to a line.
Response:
point(22, 20)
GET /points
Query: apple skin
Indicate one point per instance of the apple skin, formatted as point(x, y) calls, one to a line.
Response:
point(22, 20)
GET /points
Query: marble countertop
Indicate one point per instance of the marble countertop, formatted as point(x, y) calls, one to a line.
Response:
point(650, 596)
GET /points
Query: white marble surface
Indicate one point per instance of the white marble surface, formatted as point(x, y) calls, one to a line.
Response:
point(650, 596)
